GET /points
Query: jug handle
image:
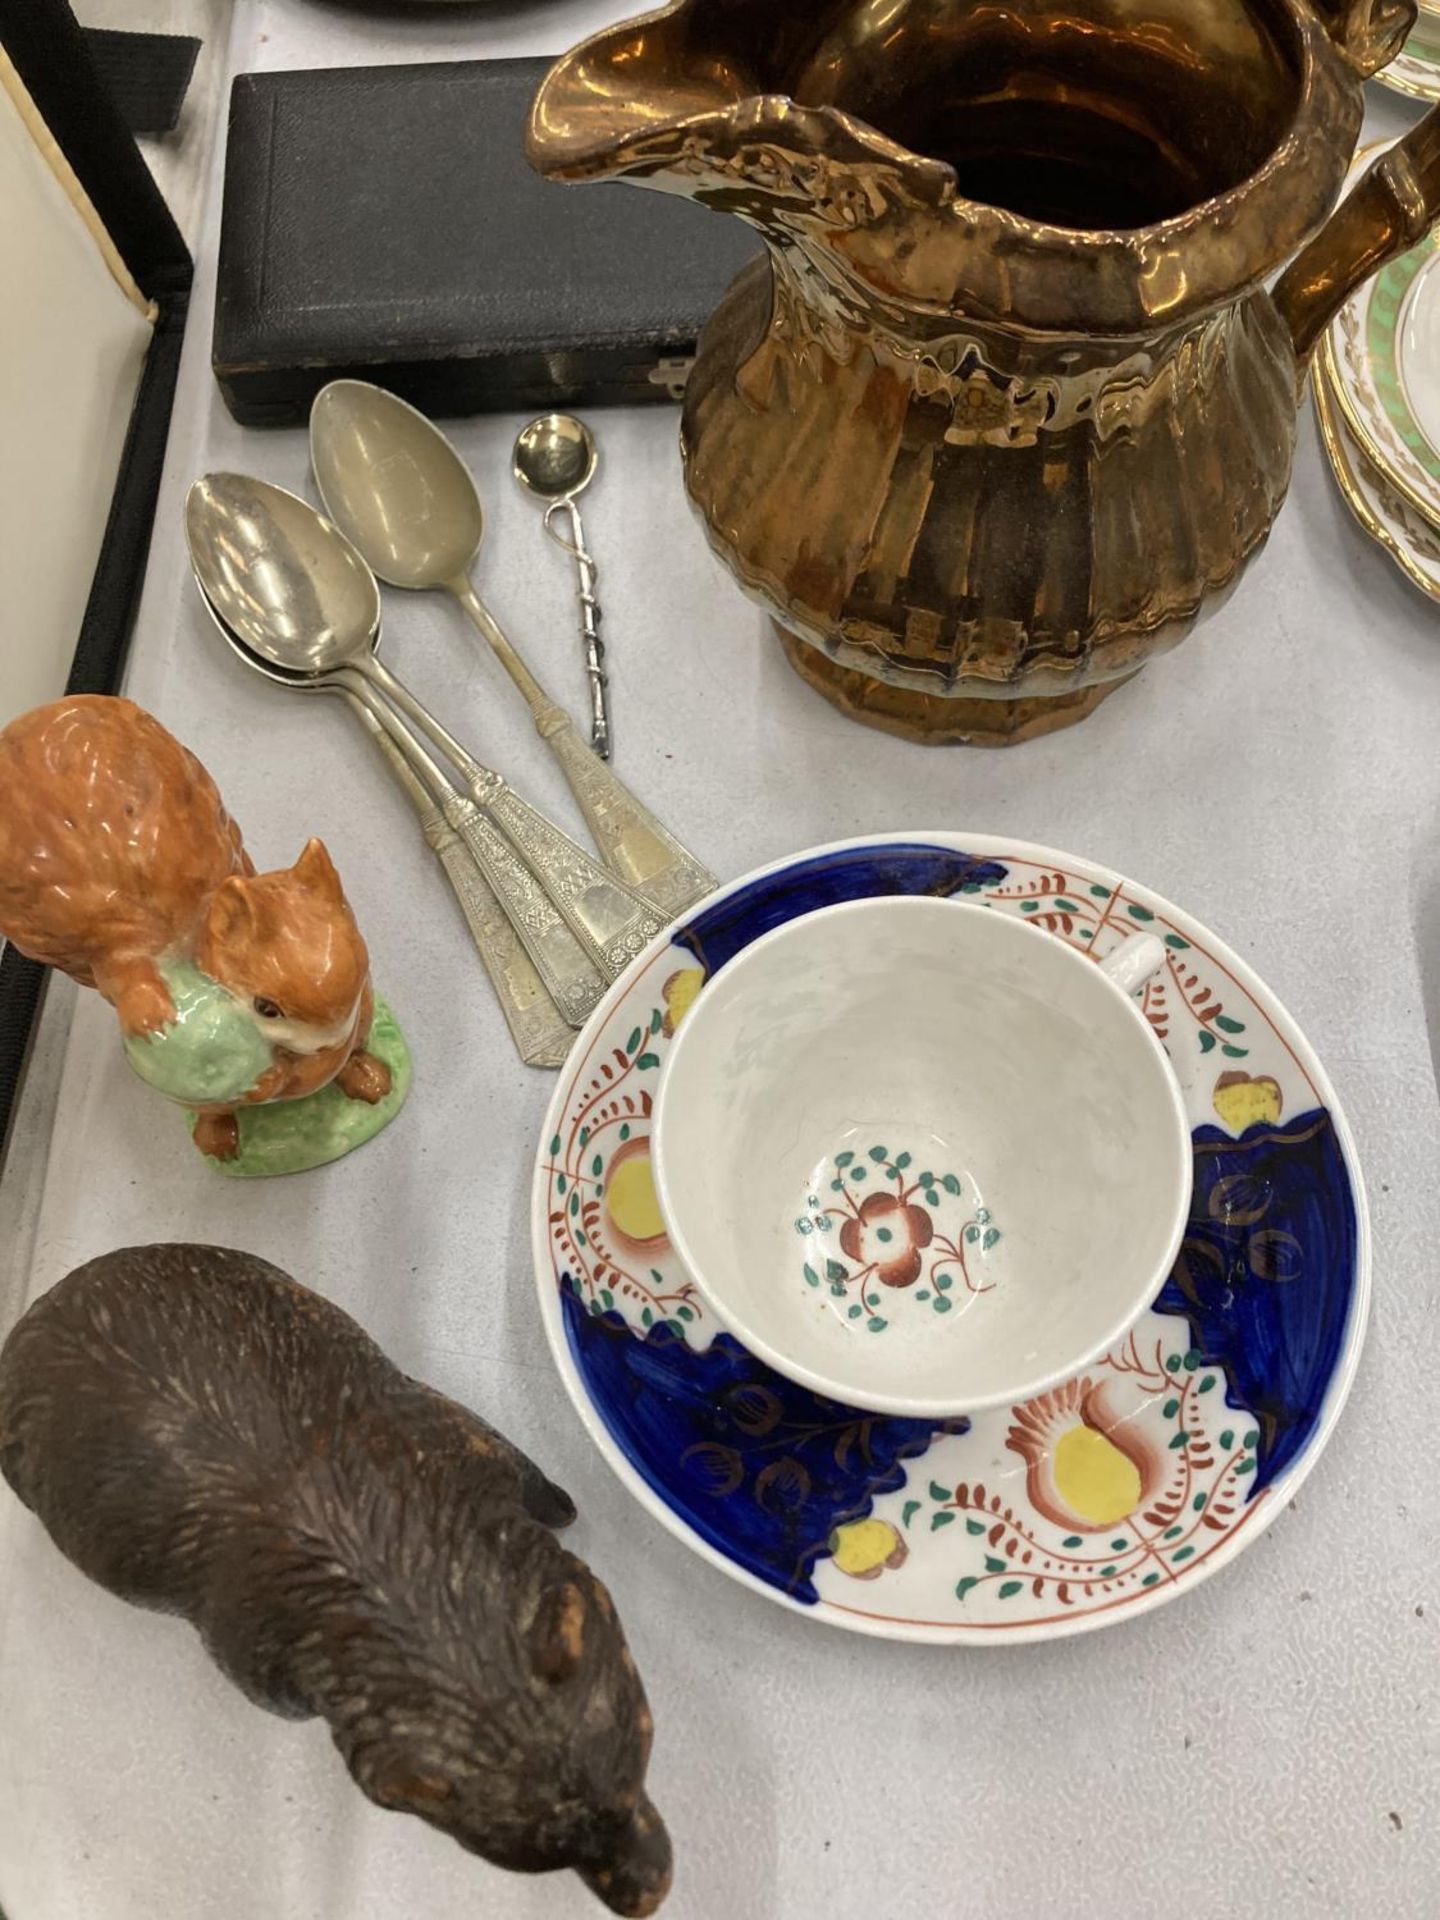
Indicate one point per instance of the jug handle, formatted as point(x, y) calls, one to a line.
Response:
point(1392, 206)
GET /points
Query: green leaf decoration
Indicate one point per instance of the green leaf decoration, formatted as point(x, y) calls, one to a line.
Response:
point(937, 1492)
point(944, 1281)
point(597, 1165)
point(879, 1155)
point(812, 1279)
point(976, 1527)
point(580, 1239)
point(1252, 1438)
point(1206, 1384)
point(625, 1131)
point(1183, 1553)
point(1087, 933)
point(1172, 1533)
point(927, 1180)
point(1227, 1025)
point(574, 1204)
point(1244, 1466)
point(584, 1136)
point(932, 1199)
point(1172, 1361)
point(1227, 1439)
point(972, 1234)
point(1174, 940)
point(647, 1061)
point(834, 1271)
point(1207, 1040)
point(657, 1276)
point(1029, 906)
point(1191, 1360)
point(1119, 1546)
point(1150, 1580)
point(844, 1159)
point(964, 1586)
point(992, 1565)
point(1198, 1503)
point(1009, 1587)
point(633, 1043)
point(1072, 1540)
point(1100, 893)
point(1066, 906)
point(876, 1324)
point(1138, 913)
point(940, 1304)
point(1108, 1573)
point(561, 1183)
point(909, 1511)
point(923, 1294)
point(657, 1020)
point(1180, 1439)
point(992, 1234)
point(1170, 1409)
point(646, 1317)
point(857, 1173)
point(941, 1519)
point(902, 1160)
point(950, 1183)
point(1234, 1053)
point(555, 1144)
point(837, 1290)
point(686, 1313)
point(853, 1313)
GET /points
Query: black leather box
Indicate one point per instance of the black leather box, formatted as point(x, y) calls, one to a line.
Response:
point(383, 222)
point(99, 285)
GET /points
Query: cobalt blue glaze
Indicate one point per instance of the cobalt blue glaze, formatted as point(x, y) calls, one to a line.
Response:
point(1267, 1274)
point(760, 1467)
point(718, 933)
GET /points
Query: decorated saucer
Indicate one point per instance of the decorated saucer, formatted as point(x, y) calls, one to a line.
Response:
point(1383, 359)
point(1386, 515)
point(1089, 1504)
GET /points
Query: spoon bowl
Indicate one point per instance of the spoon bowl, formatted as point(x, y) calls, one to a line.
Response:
point(283, 581)
point(422, 528)
point(555, 456)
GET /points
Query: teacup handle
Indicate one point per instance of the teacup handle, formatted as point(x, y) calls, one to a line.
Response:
point(1132, 965)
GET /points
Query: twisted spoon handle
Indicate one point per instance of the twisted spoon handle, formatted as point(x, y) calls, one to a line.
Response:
point(632, 842)
point(601, 738)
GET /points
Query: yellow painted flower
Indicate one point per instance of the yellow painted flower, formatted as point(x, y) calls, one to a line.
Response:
point(630, 1197)
point(1241, 1101)
point(679, 994)
point(865, 1548)
point(1088, 1470)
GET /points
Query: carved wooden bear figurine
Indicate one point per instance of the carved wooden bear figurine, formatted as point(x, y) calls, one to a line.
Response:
point(120, 865)
point(203, 1435)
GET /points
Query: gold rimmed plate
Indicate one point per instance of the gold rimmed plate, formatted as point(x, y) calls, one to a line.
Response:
point(1386, 515)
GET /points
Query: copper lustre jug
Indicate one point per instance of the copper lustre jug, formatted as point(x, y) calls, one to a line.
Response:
point(1006, 402)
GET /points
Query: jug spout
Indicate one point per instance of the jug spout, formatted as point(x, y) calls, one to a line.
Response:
point(1391, 208)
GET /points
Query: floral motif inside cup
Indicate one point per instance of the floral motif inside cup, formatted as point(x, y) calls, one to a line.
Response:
point(922, 1120)
point(882, 1232)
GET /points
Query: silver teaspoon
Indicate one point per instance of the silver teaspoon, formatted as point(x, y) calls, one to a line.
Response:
point(555, 460)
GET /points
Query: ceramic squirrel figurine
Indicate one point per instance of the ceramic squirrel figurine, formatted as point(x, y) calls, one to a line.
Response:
point(201, 1434)
point(120, 866)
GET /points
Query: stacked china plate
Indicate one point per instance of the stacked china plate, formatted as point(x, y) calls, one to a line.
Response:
point(1377, 396)
point(1416, 68)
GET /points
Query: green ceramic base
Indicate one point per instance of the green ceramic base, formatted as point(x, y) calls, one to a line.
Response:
point(291, 1136)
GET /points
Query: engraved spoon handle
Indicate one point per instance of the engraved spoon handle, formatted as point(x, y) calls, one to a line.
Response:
point(540, 1031)
point(565, 966)
point(601, 732)
point(632, 842)
point(612, 920)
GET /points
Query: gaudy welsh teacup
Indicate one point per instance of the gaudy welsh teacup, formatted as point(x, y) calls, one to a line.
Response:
point(921, 1156)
